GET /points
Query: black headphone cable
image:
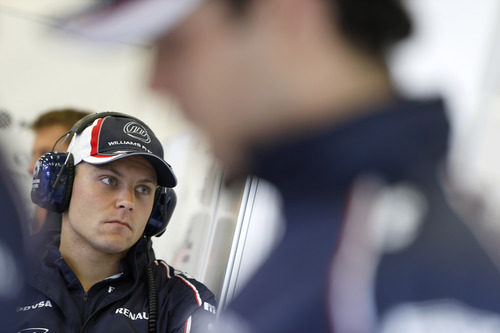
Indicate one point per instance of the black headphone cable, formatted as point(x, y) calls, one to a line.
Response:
point(152, 294)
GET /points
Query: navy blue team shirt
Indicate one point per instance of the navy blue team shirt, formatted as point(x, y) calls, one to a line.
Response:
point(436, 272)
point(56, 301)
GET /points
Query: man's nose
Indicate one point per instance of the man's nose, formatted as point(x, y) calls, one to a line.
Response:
point(126, 199)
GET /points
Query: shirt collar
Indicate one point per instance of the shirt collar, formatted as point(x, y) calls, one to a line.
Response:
point(386, 141)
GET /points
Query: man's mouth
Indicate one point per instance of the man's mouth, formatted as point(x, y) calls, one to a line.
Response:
point(122, 223)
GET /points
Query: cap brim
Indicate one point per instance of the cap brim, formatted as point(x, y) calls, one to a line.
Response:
point(164, 173)
point(128, 21)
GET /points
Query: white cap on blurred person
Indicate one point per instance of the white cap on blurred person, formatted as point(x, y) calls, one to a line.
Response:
point(128, 21)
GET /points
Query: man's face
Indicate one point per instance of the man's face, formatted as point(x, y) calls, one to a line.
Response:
point(209, 64)
point(110, 205)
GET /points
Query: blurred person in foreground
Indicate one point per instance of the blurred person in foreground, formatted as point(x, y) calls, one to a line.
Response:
point(47, 128)
point(298, 92)
point(12, 248)
point(113, 188)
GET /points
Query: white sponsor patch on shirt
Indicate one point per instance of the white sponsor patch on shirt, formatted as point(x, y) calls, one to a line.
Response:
point(41, 304)
point(133, 316)
point(209, 307)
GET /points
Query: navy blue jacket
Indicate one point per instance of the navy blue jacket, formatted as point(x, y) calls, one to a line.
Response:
point(333, 271)
point(57, 302)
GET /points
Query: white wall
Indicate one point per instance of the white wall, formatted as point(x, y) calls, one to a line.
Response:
point(453, 53)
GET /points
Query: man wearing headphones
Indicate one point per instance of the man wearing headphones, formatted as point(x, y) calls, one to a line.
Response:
point(113, 188)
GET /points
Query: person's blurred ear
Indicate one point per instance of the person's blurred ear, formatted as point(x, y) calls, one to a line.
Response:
point(300, 20)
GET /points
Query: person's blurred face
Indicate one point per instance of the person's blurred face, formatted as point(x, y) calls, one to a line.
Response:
point(211, 65)
point(281, 68)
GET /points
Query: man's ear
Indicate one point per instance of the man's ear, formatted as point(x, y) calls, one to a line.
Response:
point(301, 20)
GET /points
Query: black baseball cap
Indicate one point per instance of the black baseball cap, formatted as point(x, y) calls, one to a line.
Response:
point(111, 138)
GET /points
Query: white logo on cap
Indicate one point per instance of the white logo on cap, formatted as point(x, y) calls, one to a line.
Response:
point(136, 131)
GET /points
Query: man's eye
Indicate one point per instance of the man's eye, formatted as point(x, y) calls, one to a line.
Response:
point(108, 180)
point(143, 189)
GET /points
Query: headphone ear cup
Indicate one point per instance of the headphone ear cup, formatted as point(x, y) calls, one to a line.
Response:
point(163, 208)
point(53, 181)
point(67, 186)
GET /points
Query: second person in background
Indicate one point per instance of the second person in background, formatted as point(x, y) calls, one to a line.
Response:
point(47, 128)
